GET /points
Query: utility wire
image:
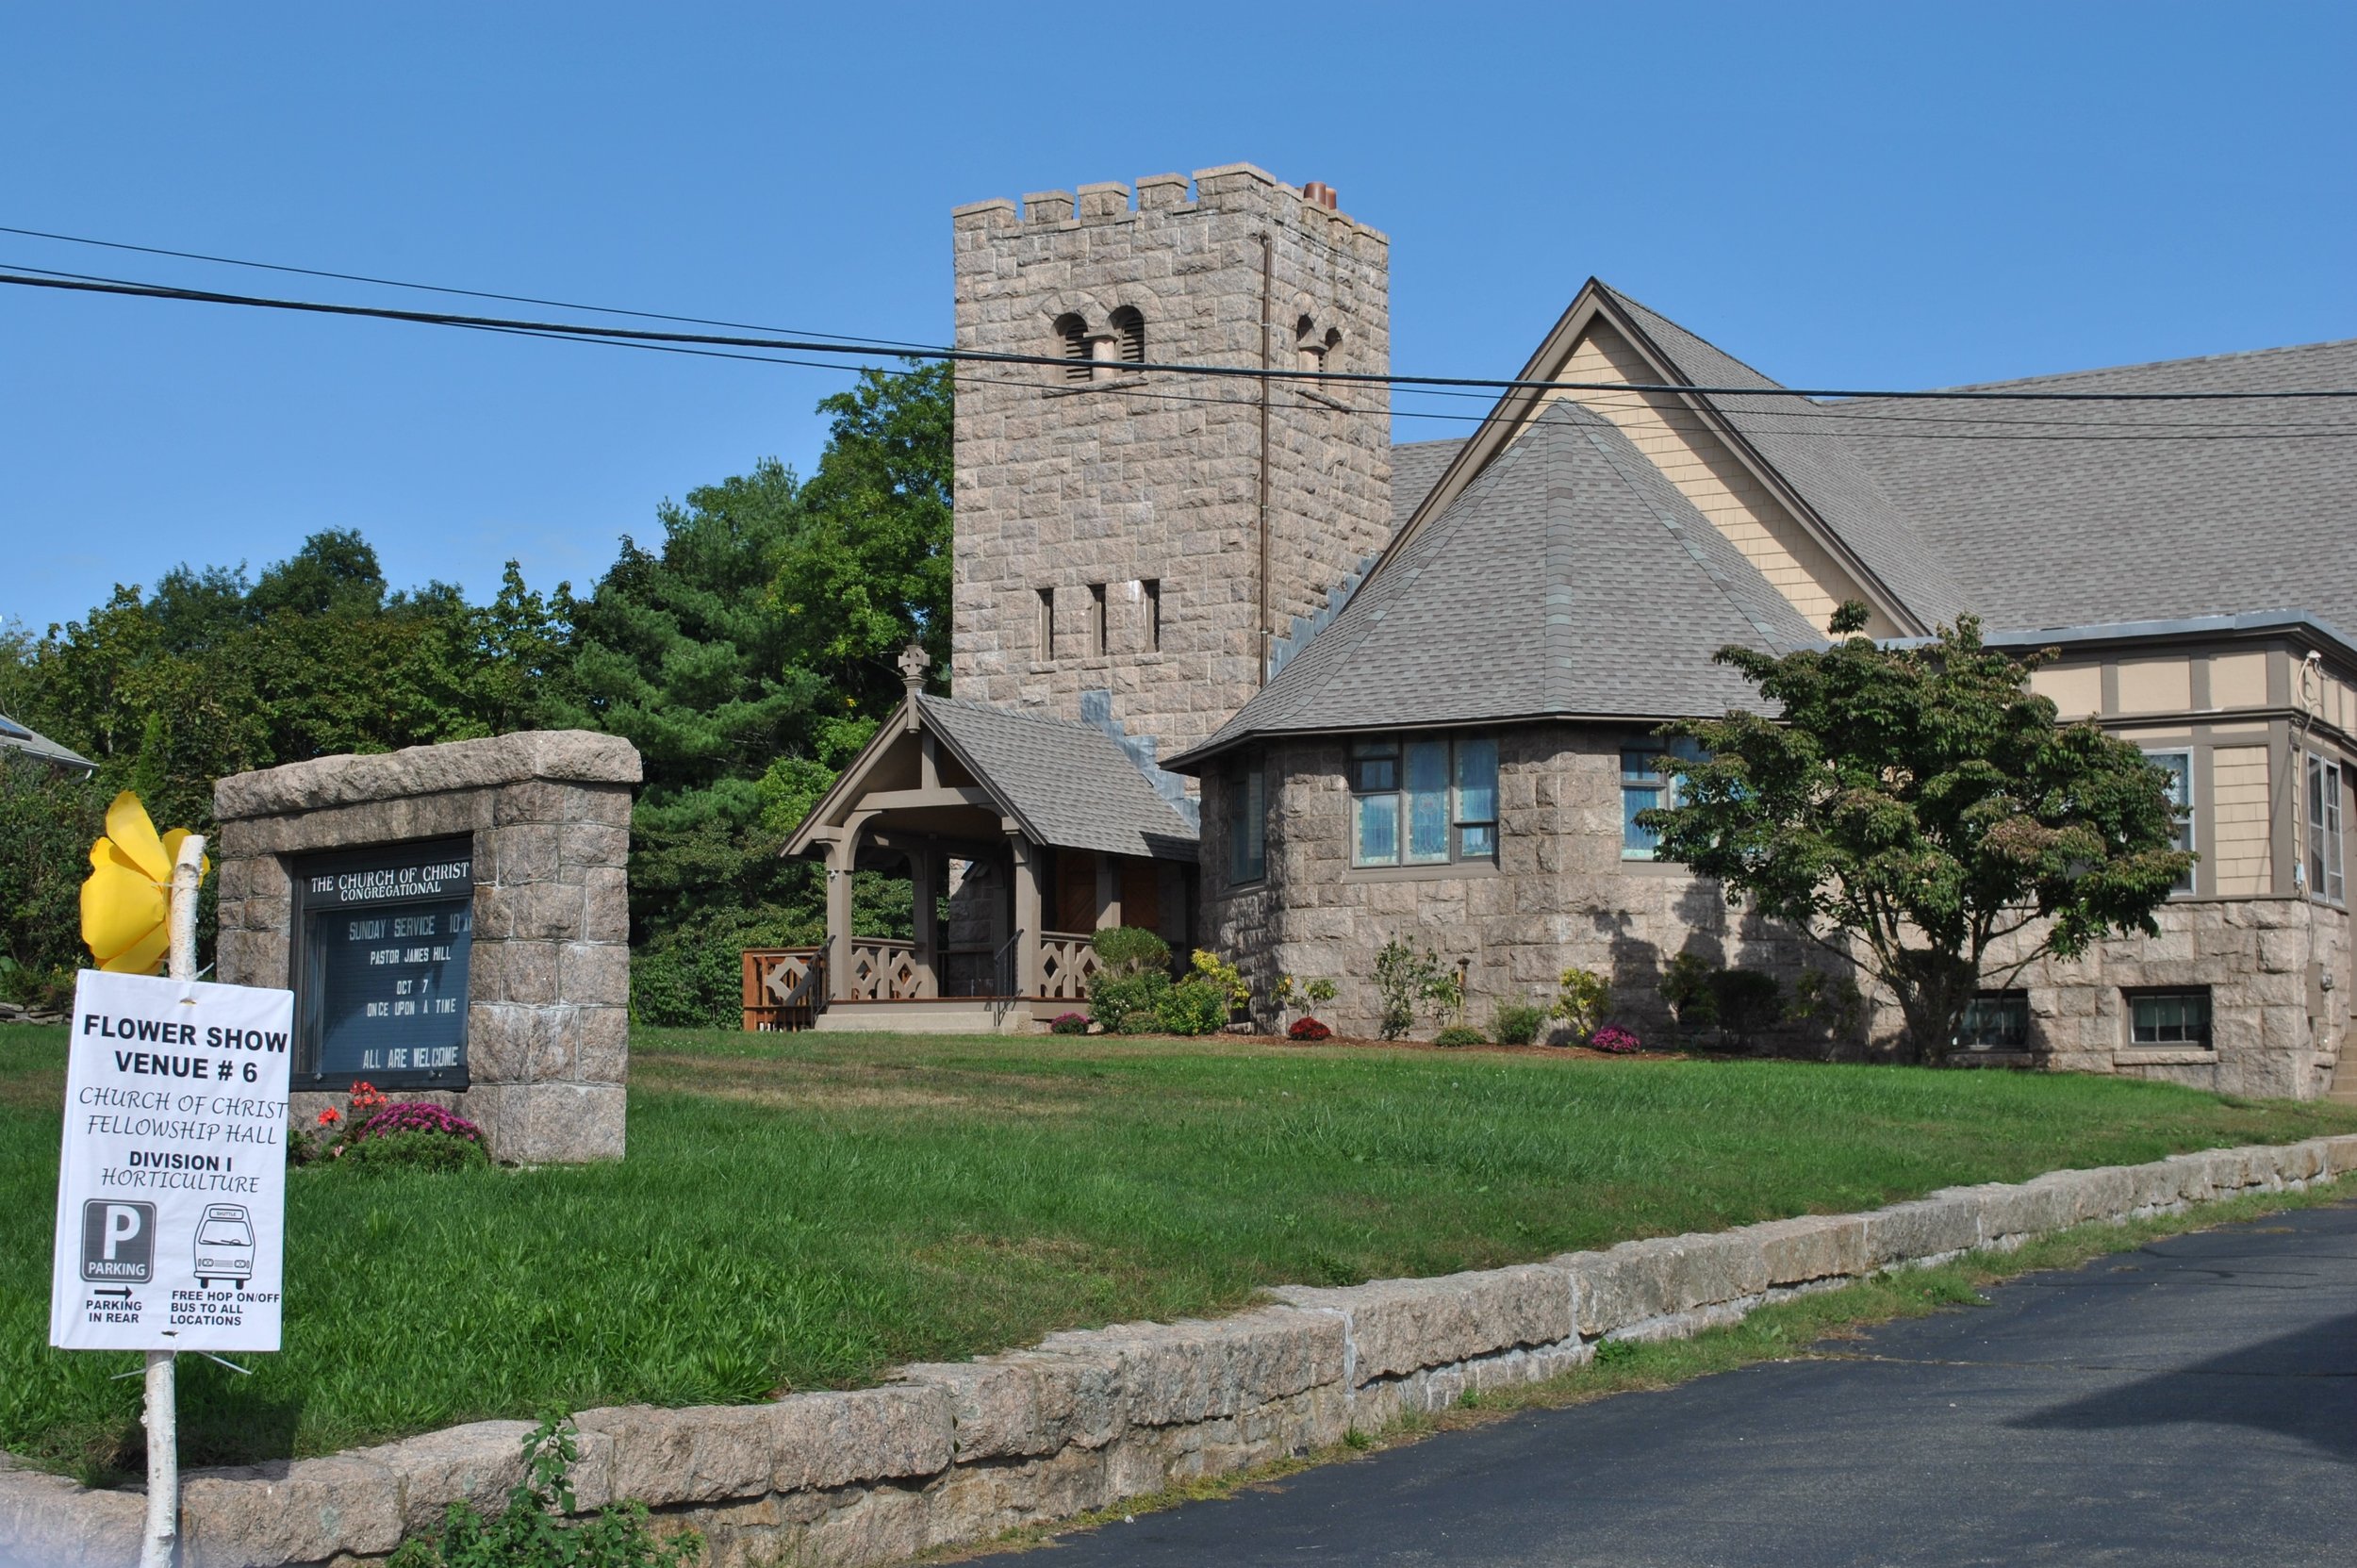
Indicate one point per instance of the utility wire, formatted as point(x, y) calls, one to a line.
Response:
point(143, 291)
point(431, 288)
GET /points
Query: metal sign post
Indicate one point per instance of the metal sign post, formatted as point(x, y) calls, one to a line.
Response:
point(172, 1177)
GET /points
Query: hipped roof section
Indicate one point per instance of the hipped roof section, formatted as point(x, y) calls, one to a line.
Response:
point(1569, 580)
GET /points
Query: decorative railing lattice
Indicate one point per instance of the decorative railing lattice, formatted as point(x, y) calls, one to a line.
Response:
point(1067, 962)
point(784, 988)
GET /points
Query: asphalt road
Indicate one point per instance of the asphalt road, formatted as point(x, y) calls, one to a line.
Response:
point(2194, 1402)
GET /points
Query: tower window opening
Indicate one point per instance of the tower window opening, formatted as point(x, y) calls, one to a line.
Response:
point(1128, 326)
point(1074, 333)
point(1152, 590)
point(1096, 617)
point(1047, 624)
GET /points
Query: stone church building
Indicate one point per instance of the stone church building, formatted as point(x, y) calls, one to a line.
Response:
point(1228, 663)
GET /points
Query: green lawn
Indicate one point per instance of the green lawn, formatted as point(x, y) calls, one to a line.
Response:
point(803, 1212)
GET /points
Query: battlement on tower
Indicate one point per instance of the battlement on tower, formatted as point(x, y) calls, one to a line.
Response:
point(1128, 532)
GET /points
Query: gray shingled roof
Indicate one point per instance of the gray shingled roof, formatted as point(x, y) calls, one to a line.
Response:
point(1415, 469)
point(1069, 784)
point(19, 737)
point(1797, 438)
point(2153, 510)
point(1571, 578)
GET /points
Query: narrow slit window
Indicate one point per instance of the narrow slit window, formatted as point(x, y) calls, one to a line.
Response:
point(2179, 766)
point(1152, 590)
point(1096, 618)
point(1248, 825)
point(1047, 624)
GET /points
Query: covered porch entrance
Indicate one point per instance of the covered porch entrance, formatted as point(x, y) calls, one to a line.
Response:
point(1017, 837)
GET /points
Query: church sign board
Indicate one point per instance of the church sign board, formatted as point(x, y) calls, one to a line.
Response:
point(383, 937)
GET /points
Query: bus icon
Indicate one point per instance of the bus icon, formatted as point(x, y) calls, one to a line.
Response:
point(224, 1244)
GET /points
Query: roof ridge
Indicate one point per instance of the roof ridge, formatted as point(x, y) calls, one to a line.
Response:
point(1636, 303)
point(1838, 405)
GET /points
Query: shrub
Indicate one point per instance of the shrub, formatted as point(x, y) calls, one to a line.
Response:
point(410, 1135)
point(1444, 995)
point(1069, 1023)
point(1616, 1040)
point(1401, 975)
point(1131, 950)
point(534, 1531)
point(1124, 1004)
point(1308, 1029)
point(1580, 1000)
point(1747, 1001)
point(1193, 1006)
point(1517, 1023)
point(1458, 1035)
point(1212, 970)
point(1686, 986)
point(1827, 1002)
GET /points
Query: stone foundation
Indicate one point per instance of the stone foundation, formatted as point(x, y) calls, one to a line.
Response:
point(548, 996)
point(954, 1454)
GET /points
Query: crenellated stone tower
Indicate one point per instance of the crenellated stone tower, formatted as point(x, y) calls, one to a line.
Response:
point(1112, 520)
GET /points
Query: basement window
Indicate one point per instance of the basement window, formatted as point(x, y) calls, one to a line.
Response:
point(1995, 1020)
point(2163, 1018)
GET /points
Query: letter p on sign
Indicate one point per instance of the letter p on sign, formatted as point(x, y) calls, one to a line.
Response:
point(118, 1241)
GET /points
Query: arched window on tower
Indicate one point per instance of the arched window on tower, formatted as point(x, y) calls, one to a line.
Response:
point(1308, 347)
point(1129, 336)
point(1074, 333)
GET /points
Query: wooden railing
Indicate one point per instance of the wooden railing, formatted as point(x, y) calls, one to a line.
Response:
point(1066, 964)
point(784, 988)
point(883, 970)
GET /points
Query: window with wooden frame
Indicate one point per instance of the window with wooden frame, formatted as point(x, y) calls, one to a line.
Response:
point(1424, 800)
point(2179, 766)
point(1645, 784)
point(2327, 876)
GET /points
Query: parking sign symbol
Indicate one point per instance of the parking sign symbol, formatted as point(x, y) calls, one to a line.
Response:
point(118, 1241)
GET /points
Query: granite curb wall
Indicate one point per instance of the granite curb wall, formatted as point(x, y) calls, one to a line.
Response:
point(957, 1453)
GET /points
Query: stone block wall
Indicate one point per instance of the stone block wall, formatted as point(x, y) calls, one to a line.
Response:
point(2279, 970)
point(1560, 895)
point(548, 995)
point(1132, 476)
point(953, 1454)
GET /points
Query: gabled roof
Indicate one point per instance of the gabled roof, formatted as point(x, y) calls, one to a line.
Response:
point(1571, 580)
point(2119, 511)
point(1063, 782)
point(1798, 439)
point(1066, 782)
point(32, 743)
point(1414, 467)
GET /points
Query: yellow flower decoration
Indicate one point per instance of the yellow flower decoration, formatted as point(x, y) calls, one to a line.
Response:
point(127, 900)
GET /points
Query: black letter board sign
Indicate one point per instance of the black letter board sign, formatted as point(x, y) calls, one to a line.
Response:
point(380, 965)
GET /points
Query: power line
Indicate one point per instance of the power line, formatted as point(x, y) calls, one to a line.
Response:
point(430, 287)
point(142, 291)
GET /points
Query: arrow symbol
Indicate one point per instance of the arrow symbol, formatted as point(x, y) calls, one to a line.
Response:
point(123, 1292)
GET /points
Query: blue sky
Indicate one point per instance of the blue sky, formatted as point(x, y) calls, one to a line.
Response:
point(1877, 195)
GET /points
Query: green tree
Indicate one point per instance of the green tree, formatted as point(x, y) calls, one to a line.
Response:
point(1915, 806)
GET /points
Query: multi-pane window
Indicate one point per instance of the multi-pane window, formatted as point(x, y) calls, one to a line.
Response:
point(1644, 784)
point(1419, 801)
point(2179, 766)
point(1248, 825)
point(2326, 875)
point(1995, 1020)
point(2169, 1017)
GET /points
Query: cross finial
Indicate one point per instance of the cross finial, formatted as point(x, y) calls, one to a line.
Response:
point(914, 661)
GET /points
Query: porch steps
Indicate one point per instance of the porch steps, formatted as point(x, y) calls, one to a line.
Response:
point(2343, 1087)
point(935, 1015)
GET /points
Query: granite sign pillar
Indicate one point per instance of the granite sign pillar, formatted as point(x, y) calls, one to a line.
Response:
point(454, 922)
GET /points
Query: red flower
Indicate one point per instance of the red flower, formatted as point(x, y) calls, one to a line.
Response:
point(330, 1117)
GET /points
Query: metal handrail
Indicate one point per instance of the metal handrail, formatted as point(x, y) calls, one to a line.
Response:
point(1002, 970)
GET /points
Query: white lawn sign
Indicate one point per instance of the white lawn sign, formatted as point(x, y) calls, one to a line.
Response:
point(171, 1187)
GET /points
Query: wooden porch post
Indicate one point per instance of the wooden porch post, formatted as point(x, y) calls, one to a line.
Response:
point(924, 861)
point(1027, 915)
point(840, 855)
point(1108, 891)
